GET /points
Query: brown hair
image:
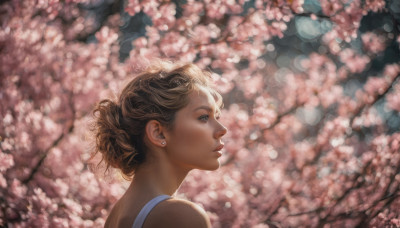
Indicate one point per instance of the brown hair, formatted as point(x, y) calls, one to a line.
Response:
point(155, 94)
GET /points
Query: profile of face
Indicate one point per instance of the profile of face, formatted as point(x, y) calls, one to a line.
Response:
point(194, 142)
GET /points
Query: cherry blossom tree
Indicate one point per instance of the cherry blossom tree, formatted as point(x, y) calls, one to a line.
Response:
point(312, 102)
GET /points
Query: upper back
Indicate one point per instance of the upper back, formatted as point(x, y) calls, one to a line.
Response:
point(168, 213)
point(177, 213)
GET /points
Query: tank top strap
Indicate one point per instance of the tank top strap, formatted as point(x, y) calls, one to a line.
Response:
point(146, 210)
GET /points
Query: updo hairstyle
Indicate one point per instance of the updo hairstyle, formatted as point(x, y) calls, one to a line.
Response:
point(155, 94)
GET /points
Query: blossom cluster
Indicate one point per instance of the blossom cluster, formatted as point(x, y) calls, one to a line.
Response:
point(308, 144)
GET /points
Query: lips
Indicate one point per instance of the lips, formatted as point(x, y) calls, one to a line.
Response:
point(218, 148)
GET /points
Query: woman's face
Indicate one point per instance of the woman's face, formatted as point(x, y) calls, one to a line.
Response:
point(195, 139)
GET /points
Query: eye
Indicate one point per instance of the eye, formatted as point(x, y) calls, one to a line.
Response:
point(204, 118)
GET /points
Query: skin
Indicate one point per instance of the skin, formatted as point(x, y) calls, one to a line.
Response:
point(192, 143)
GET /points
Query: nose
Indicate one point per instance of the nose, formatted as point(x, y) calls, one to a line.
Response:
point(220, 131)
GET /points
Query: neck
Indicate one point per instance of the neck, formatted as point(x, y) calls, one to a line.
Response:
point(157, 177)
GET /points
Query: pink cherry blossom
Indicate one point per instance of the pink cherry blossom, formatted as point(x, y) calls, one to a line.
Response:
point(375, 85)
point(393, 98)
point(355, 63)
point(307, 146)
point(373, 43)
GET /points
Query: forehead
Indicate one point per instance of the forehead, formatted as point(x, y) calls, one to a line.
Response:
point(202, 97)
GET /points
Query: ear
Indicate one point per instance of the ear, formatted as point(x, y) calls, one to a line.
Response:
point(155, 133)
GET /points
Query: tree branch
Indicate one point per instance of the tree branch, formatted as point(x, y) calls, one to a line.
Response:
point(376, 99)
point(43, 155)
point(277, 120)
point(56, 142)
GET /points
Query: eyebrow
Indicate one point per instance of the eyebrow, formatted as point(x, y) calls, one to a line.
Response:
point(207, 108)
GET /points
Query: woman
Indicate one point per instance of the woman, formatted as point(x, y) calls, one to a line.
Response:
point(164, 124)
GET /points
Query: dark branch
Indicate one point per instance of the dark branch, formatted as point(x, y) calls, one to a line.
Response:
point(56, 142)
point(277, 121)
point(376, 99)
point(43, 155)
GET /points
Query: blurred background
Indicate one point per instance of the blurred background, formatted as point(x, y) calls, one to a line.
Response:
point(311, 92)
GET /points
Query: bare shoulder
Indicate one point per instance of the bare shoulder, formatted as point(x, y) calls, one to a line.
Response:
point(177, 213)
point(117, 217)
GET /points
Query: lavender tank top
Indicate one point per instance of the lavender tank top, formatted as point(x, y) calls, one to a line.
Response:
point(146, 210)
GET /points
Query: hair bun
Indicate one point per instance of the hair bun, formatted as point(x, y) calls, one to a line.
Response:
point(112, 141)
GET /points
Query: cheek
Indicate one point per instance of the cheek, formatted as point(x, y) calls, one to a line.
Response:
point(192, 135)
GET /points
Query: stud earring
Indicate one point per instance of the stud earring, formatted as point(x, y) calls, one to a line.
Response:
point(163, 143)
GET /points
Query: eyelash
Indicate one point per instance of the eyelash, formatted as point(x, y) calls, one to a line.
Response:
point(206, 117)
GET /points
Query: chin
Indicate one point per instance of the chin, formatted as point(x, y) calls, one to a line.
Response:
point(212, 167)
